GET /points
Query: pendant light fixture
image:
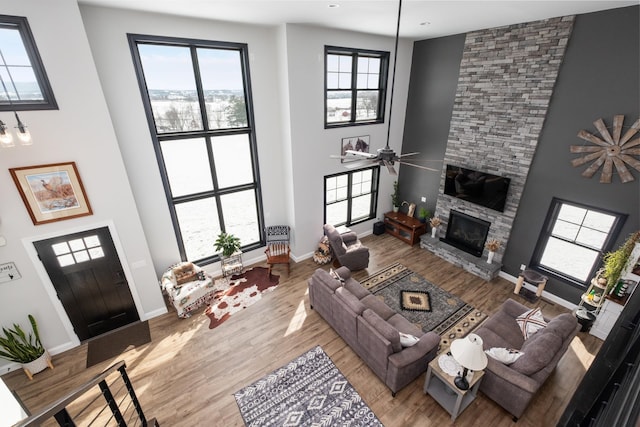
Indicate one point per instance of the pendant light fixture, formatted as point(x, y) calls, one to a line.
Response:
point(6, 139)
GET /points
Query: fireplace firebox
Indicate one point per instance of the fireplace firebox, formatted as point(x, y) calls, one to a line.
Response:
point(466, 233)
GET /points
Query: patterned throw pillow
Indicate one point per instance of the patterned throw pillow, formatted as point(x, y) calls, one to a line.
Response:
point(531, 322)
point(504, 355)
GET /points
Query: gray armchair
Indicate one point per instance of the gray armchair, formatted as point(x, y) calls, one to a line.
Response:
point(347, 249)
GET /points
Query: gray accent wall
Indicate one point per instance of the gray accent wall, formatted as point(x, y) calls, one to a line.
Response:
point(599, 77)
point(432, 88)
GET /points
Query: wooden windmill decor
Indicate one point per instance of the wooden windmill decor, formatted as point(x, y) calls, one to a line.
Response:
point(609, 151)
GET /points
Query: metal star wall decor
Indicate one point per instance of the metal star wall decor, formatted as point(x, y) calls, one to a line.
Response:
point(610, 150)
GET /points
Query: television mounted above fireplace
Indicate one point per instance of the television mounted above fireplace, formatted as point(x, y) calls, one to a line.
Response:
point(477, 187)
point(466, 232)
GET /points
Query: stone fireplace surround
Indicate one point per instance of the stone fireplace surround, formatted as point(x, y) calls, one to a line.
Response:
point(506, 80)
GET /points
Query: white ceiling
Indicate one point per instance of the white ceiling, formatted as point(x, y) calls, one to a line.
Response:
point(421, 19)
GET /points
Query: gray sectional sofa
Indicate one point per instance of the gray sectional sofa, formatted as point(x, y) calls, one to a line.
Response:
point(513, 386)
point(371, 328)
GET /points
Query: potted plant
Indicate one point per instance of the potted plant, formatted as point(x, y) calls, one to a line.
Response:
point(435, 223)
point(227, 243)
point(395, 197)
point(423, 214)
point(24, 349)
point(616, 262)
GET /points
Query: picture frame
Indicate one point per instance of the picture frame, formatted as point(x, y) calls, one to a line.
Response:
point(52, 192)
point(355, 143)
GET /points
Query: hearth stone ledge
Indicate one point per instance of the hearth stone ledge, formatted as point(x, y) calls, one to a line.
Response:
point(455, 256)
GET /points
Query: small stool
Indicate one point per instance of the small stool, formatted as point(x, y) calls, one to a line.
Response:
point(532, 277)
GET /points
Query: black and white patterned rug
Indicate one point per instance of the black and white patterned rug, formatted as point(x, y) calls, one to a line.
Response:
point(308, 391)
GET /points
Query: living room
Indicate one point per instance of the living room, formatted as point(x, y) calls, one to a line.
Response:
point(101, 125)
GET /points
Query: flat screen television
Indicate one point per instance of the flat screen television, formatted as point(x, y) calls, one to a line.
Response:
point(477, 187)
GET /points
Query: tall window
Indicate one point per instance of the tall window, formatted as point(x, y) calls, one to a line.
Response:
point(355, 86)
point(24, 84)
point(573, 240)
point(198, 101)
point(351, 197)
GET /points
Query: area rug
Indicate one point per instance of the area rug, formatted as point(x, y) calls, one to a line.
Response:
point(116, 342)
point(308, 391)
point(239, 292)
point(422, 303)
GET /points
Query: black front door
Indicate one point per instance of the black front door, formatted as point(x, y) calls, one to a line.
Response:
point(88, 277)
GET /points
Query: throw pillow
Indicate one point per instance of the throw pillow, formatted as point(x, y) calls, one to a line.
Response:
point(407, 340)
point(504, 355)
point(336, 276)
point(531, 322)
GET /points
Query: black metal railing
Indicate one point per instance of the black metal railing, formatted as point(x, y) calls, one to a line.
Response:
point(98, 402)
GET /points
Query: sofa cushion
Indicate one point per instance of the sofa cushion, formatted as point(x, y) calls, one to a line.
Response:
point(390, 333)
point(538, 351)
point(503, 325)
point(377, 305)
point(530, 322)
point(399, 322)
point(356, 289)
point(562, 325)
point(350, 300)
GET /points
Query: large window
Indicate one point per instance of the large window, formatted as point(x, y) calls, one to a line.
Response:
point(198, 104)
point(355, 86)
point(351, 197)
point(24, 84)
point(573, 240)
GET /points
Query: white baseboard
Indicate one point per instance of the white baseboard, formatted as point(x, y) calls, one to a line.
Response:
point(155, 313)
point(546, 295)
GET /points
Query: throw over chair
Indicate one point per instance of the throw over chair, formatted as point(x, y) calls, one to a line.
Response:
point(278, 250)
point(347, 249)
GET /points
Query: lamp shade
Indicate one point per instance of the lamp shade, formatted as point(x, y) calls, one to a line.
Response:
point(468, 352)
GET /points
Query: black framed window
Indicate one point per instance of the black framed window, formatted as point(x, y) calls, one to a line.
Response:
point(198, 102)
point(355, 86)
point(573, 240)
point(351, 197)
point(25, 85)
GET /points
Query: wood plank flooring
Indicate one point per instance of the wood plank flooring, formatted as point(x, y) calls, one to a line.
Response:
point(187, 375)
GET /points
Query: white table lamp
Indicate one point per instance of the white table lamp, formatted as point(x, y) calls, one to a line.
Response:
point(469, 354)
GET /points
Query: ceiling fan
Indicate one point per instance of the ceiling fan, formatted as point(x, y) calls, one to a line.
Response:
point(385, 156)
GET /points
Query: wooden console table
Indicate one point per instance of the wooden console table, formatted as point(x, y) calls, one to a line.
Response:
point(405, 228)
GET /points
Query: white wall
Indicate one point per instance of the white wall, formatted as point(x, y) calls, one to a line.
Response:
point(312, 144)
point(107, 32)
point(80, 131)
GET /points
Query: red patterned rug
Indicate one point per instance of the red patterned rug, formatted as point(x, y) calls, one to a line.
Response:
point(238, 293)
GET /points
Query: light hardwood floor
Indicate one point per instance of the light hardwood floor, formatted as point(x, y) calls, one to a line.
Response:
point(187, 375)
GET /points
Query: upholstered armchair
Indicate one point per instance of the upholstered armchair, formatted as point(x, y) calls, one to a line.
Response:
point(347, 249)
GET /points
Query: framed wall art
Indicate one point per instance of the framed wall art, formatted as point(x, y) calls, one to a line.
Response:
point(51, 192)
point(356, 143)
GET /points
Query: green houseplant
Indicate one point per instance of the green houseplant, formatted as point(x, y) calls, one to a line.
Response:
point(423, 214)
point(614, 262)
point(25, 349)
point(227, 243)
point(395, 197)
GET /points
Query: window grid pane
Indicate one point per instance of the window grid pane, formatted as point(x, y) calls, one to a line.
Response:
point(368, 90)
point(209, 171)
point(350, 197)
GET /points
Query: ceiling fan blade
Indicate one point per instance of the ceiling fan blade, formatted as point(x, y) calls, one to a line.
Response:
point(362, 154)
point(390, 168)
point(419, 166)
point(358, 164)
point(407, 154)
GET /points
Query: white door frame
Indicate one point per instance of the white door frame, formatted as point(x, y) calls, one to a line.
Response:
point(48, 284)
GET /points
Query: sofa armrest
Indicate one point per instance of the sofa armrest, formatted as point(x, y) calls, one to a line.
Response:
point(511, 376)
point(349, 237)
point(408, 355)
point(343, 272)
